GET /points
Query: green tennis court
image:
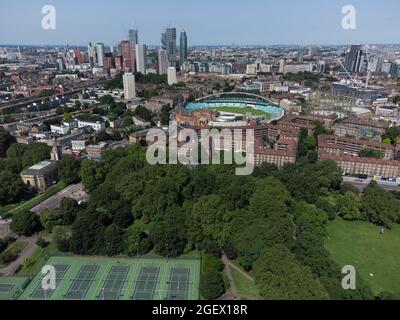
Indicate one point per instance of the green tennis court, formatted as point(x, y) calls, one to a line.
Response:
point(146, 283)
point(114, 284)
point(82, 282)
point(40, 294)
point(179, 283)
point(11, 287)
point(95, 278)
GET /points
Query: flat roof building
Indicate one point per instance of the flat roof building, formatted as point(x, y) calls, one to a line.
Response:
point(40, 176)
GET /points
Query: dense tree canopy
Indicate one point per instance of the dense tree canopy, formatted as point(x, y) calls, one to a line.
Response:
point(25, 223)
point(280, 277)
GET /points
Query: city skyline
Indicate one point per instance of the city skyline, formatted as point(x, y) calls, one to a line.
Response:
point(259, 23)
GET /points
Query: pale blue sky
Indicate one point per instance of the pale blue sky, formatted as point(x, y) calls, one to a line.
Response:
point(207, 22)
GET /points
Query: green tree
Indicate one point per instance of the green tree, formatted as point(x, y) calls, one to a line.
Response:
point(68, 169)
point(280, 277)
point(211, 285)
point(208, 220)
point(113, 240)
point(349, 206)
point(167, 240)
point(379, 206)
point(10, 187)
point(92, 174)
point(61, 238)
point(25, 223)
point(69, 209)
point(50, 218)
point(136, 241)
point(6, 139)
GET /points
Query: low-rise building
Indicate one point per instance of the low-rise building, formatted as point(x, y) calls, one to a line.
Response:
point(40, 176)
point(96, 126)
point(348, 146)
point(94, 151)
point(290, 106)
point(365, 166)
point(361, 129)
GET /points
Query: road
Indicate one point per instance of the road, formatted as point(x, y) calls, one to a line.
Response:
point(75, 191)
point(12, 268)
point(361, 184)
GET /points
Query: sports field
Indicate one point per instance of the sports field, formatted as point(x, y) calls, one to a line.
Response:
point(89, 278)
point(243, 111)
point(11, 287)
point(376, 257)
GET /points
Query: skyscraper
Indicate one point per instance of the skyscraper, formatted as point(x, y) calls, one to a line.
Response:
point(92, 54)
point(168, 41)
point(183, 48)
point(133, 37)
point(100, 55)
point(141, 58)
point(162, 61)
point(127, 56)
point(129, 86)
point(354, 59)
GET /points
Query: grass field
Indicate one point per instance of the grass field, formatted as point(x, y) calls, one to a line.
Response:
point(31, 203)
point(245, 288)
point(33, 265)
point(238, 110)
point(10, 287)
point(360, 244)
point(90, 278)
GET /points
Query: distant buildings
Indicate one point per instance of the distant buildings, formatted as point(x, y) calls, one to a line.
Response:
point(168, 42)
point(354, 59)
point(162, 61)
point(141, 58)
point(183, 47)
point(96, 55)
point(357, 91)
point(172, 79)
point(133, 37)
point(129, 86)
point(127, 56)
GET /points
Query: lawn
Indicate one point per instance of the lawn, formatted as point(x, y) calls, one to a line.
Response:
point(245, 288)
point(14, 249)
point(31, 203)
point(34, 264)
point(238, 110)
point(360, 244)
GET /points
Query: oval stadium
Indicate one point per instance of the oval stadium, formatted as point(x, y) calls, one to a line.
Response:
point(239, 103)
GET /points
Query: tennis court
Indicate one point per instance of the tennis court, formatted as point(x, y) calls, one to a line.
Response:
point(178, 284)
point(96, 278)
point(146, 283)
point(114, 284)
point(82, 282)
point(11, 287)
point(40, 294)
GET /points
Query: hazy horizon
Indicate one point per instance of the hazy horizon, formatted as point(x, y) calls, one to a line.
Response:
point(209, 23)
